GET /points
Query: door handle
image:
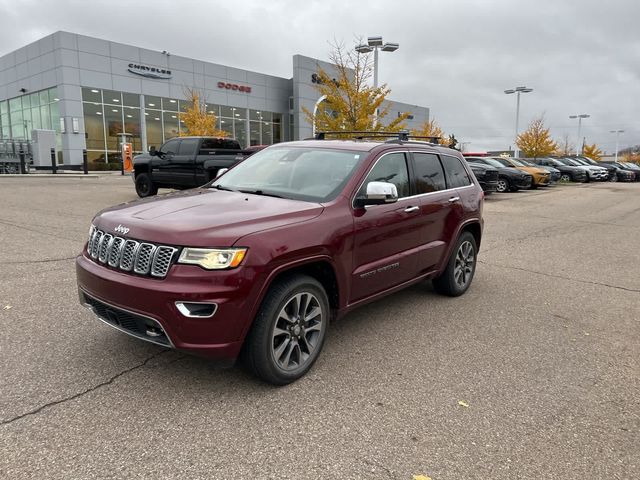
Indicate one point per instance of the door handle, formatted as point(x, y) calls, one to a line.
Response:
point(454, 199)
point(411, 209)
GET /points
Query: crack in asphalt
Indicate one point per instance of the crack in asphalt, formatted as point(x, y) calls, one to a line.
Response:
point(15, 225)
point(46, 260)
point(88, 390)
point(633, 290)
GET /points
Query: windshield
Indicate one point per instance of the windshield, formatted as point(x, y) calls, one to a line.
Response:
point(579, 161)
point(569, 161)
point(528, 164)
point(310, 174)
point(517, 163)
point(495, 163)
point(589, 161)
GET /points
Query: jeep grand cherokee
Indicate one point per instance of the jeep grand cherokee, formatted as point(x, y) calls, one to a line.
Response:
point(259, 261)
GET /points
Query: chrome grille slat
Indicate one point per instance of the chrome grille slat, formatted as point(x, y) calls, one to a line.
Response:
point(130, 255)
point(105, 246)
point(143, 258)
point(96, 243)
point(116, 251)
point(162, 261)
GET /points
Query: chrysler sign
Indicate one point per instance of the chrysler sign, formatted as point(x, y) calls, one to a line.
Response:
point(149, 72)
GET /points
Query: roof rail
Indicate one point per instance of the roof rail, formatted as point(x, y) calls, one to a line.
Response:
point(395, 137)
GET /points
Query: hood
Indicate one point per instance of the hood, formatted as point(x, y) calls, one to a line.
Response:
point(534, 170)
point(204, 217)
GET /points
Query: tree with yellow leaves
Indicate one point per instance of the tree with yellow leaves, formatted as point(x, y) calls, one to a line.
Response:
point(350, 103)
point(592, 151)
point(430, 128)
point(536, 140)
point(197, 121)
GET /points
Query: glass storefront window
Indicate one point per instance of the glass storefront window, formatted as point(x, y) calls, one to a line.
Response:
point(93, 126)
point(240, 131)
point(184, 104)
point(45, 117)
point(154, 130)
point(213, 108)
point(3, 108)
point(267, 137)
point(132, 126)
point(113, 123)
point(170, 119)
point(277, 127)
point(131, 100)
point(152, 102)
point(227, 126)
point(111, 98)
point(44, 97)
point(91, 95)
point(226, 112)
point(35, 99)
point(170, 104)
point(254, 133)
point(17, 126)
point(266, 116)
point(15, 104)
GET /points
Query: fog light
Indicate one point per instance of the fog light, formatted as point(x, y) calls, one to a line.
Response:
point(197, 309)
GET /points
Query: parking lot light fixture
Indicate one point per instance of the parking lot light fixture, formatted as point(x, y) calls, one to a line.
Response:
point(517, 91)
point(617, 132)
point(579, 117)
point(373, 45)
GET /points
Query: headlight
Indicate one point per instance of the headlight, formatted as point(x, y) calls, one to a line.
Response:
point(213, 258)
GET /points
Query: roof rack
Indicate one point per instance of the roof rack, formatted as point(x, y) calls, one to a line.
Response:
point(394, 137)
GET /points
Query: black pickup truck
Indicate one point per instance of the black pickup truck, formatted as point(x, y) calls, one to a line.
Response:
point(185, 162)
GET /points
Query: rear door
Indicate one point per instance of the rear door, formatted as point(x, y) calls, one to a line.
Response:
point(437, 207)
point(387, 238)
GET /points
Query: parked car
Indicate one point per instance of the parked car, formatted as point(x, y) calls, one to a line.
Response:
point(509, 179)
point(634, 168)
point(568, 173)
point(554, 173)
point(258, 262)
point(185, 162)
point(487, 176)
point(601, 174)
point(624, 173)
point(540, 176)
point(612, 175)
point(593, 173)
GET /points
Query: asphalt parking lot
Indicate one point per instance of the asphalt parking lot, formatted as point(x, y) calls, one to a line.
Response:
point(534, 373)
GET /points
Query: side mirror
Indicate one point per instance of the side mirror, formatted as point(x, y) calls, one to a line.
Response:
point(221, 172)
point(152, 151)
point(379, 193)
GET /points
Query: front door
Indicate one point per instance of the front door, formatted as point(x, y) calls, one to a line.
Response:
point(387, 238)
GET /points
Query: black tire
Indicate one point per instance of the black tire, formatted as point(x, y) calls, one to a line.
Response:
point(614, 178)
point(504, 185)
point(263, 343)
point(145, 186)
point(446, 283)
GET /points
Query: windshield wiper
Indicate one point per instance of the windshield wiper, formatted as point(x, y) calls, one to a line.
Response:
point(261, 192)
point(227, 189)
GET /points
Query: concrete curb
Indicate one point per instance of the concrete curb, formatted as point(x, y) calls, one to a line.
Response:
point(64, 175)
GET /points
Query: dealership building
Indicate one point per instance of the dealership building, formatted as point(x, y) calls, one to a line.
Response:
point(91, 91)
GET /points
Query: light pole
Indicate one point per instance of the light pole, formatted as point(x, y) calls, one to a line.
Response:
point(617, 132)
point(518, 91)
point(373, 45)
point(579, 117)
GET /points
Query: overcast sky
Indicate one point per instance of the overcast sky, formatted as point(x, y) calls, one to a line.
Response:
point(455, 57)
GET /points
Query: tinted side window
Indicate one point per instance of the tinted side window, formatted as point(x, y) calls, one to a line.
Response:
point(211, 143)
point(455, 172)
point(170, 147)
point(188, 146)
point(429, 174)
point(390, 168)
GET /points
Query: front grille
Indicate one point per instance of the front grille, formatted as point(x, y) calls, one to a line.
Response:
point(130, 255)
point(141, 327)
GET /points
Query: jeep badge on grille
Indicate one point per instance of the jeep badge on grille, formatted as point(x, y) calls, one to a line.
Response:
point(121, 229)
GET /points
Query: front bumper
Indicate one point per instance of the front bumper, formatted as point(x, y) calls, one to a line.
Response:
point(112, 293)
point(523, 183)
point(488, 185)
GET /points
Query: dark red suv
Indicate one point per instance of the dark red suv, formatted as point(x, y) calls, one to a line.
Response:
point(257, 262)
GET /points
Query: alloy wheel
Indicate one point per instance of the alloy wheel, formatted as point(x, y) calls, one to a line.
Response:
point(565, 177)
point(465, 260)
point(297, 331)
point(502, 186)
